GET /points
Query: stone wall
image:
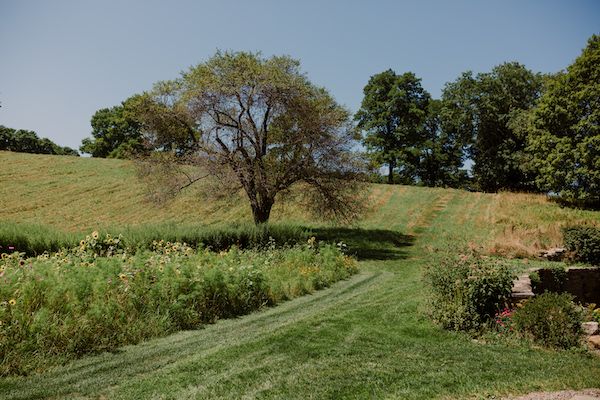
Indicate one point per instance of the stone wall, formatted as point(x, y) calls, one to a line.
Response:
point(583, 283)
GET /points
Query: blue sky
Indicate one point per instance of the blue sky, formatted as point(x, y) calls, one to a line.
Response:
point(60, 61)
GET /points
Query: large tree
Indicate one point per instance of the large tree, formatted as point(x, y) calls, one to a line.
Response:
point(257, 124)
point(565, 130)
point(480, 110)
point(392, 114)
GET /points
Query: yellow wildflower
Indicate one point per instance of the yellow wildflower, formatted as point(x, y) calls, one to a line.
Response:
point(95, 234)
point(12, 302)
point(122, 276)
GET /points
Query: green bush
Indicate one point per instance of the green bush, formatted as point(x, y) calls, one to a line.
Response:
point(468, 290)
point(583, 242)
point(97, 297)
point(550, 319)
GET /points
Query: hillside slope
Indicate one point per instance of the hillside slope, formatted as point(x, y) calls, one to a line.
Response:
point(82, 194)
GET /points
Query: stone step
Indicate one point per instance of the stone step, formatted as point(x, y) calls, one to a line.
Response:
point(522, 287)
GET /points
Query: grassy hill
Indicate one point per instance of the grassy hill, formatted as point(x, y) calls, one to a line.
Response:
point(79, 195)
point(367, 337)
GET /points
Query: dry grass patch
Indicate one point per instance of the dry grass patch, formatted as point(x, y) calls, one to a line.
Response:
point(525, 224)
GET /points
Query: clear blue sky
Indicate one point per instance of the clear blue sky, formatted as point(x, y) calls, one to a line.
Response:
point(60, 61)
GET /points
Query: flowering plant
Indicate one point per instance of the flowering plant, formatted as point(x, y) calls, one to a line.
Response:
point(503, 321)
point(95, 245)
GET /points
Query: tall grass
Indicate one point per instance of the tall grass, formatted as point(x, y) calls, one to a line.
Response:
point(35, 239)
point(524, 224)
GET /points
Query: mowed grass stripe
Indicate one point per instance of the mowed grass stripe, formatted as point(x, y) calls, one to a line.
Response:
point(278, 356)
point(376, 346)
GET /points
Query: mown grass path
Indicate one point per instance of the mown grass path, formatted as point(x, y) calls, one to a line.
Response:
point(367, 337)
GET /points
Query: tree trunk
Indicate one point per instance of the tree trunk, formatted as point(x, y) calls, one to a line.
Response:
point(391, 173)
point(261, 212)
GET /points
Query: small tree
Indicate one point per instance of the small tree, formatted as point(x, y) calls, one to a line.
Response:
point(256, 124)
point(565, 130)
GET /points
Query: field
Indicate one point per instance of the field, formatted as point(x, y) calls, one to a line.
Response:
point(365, 337)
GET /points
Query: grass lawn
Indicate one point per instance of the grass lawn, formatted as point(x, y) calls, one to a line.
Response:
point(366, 337)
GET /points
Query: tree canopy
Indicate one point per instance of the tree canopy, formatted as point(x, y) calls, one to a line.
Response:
point(441, 154)
point(403, 130)
point(392, 114)
point(116, 132)
point(564, 134)
point(24, 141)
point(257, 124)
point(261, 125)
point(480, 111)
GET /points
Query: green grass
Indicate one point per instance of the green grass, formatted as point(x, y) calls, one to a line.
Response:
point(367, 337)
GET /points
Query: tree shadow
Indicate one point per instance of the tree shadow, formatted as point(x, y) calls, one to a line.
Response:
point(588, 205)
point(368, 244)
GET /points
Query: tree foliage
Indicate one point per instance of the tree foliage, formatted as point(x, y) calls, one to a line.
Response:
point(441, 155)
point(256, 124)
point(564, 134)
point(481, 110)
point(403, 130)
point(116, 132)
point(392, 114)
point(24, 141)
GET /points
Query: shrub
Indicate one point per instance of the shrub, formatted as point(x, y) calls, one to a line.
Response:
point(550, 319)
point(503, 321)
point(591, 313)
point(583, 242)
point(468, 290)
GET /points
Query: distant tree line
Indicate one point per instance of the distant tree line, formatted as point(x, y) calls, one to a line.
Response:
point(24, 141)
point(520, 130)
